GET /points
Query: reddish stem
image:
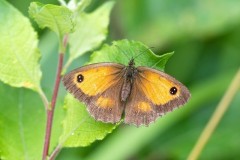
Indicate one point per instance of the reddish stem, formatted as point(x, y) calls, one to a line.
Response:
point(50, 110)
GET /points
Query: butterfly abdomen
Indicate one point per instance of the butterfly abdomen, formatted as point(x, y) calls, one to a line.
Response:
point(128, 81)
point(126, 89)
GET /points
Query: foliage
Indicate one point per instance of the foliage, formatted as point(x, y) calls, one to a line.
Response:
point(79, 128)
point(19, 53)
point(20, 63)
point(58, 18)
point(203, 36)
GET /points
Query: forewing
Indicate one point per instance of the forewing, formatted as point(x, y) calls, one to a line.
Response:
point(99, 89)
point(152, 96)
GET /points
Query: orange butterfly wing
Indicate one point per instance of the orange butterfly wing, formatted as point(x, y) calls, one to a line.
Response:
point(99, 86)
point(153, 94)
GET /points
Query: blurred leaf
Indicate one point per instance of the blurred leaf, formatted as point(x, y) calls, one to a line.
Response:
point(57, 18)
point(122, 51)
point(79, 128)
point(158, 22)
point(91, 30)
point(22, 122)
point(18, 47)
point(225, 138)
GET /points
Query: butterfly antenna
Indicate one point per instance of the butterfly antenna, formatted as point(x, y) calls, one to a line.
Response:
point(122, 51)
point(142, 52)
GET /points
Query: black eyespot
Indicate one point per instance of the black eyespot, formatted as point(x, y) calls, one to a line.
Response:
point(80, 78)
point(173, 90)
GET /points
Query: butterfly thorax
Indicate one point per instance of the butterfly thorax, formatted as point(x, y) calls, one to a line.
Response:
point(129, 75)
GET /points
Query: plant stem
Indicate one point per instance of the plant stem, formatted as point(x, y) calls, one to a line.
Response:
point(50, 110)
point(216, 117)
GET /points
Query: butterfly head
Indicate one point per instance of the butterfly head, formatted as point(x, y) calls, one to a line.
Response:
point(131, 63)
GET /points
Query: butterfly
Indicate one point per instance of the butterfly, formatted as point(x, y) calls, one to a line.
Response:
point(112, 91)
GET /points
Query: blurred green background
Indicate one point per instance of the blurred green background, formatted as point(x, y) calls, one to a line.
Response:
point(205, 36)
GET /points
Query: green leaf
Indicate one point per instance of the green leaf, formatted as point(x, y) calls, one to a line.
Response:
point(91, 30)
point(57, 18)
point(19, 54)
point(122, 51)
point(79, 128)
point(22, 122)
